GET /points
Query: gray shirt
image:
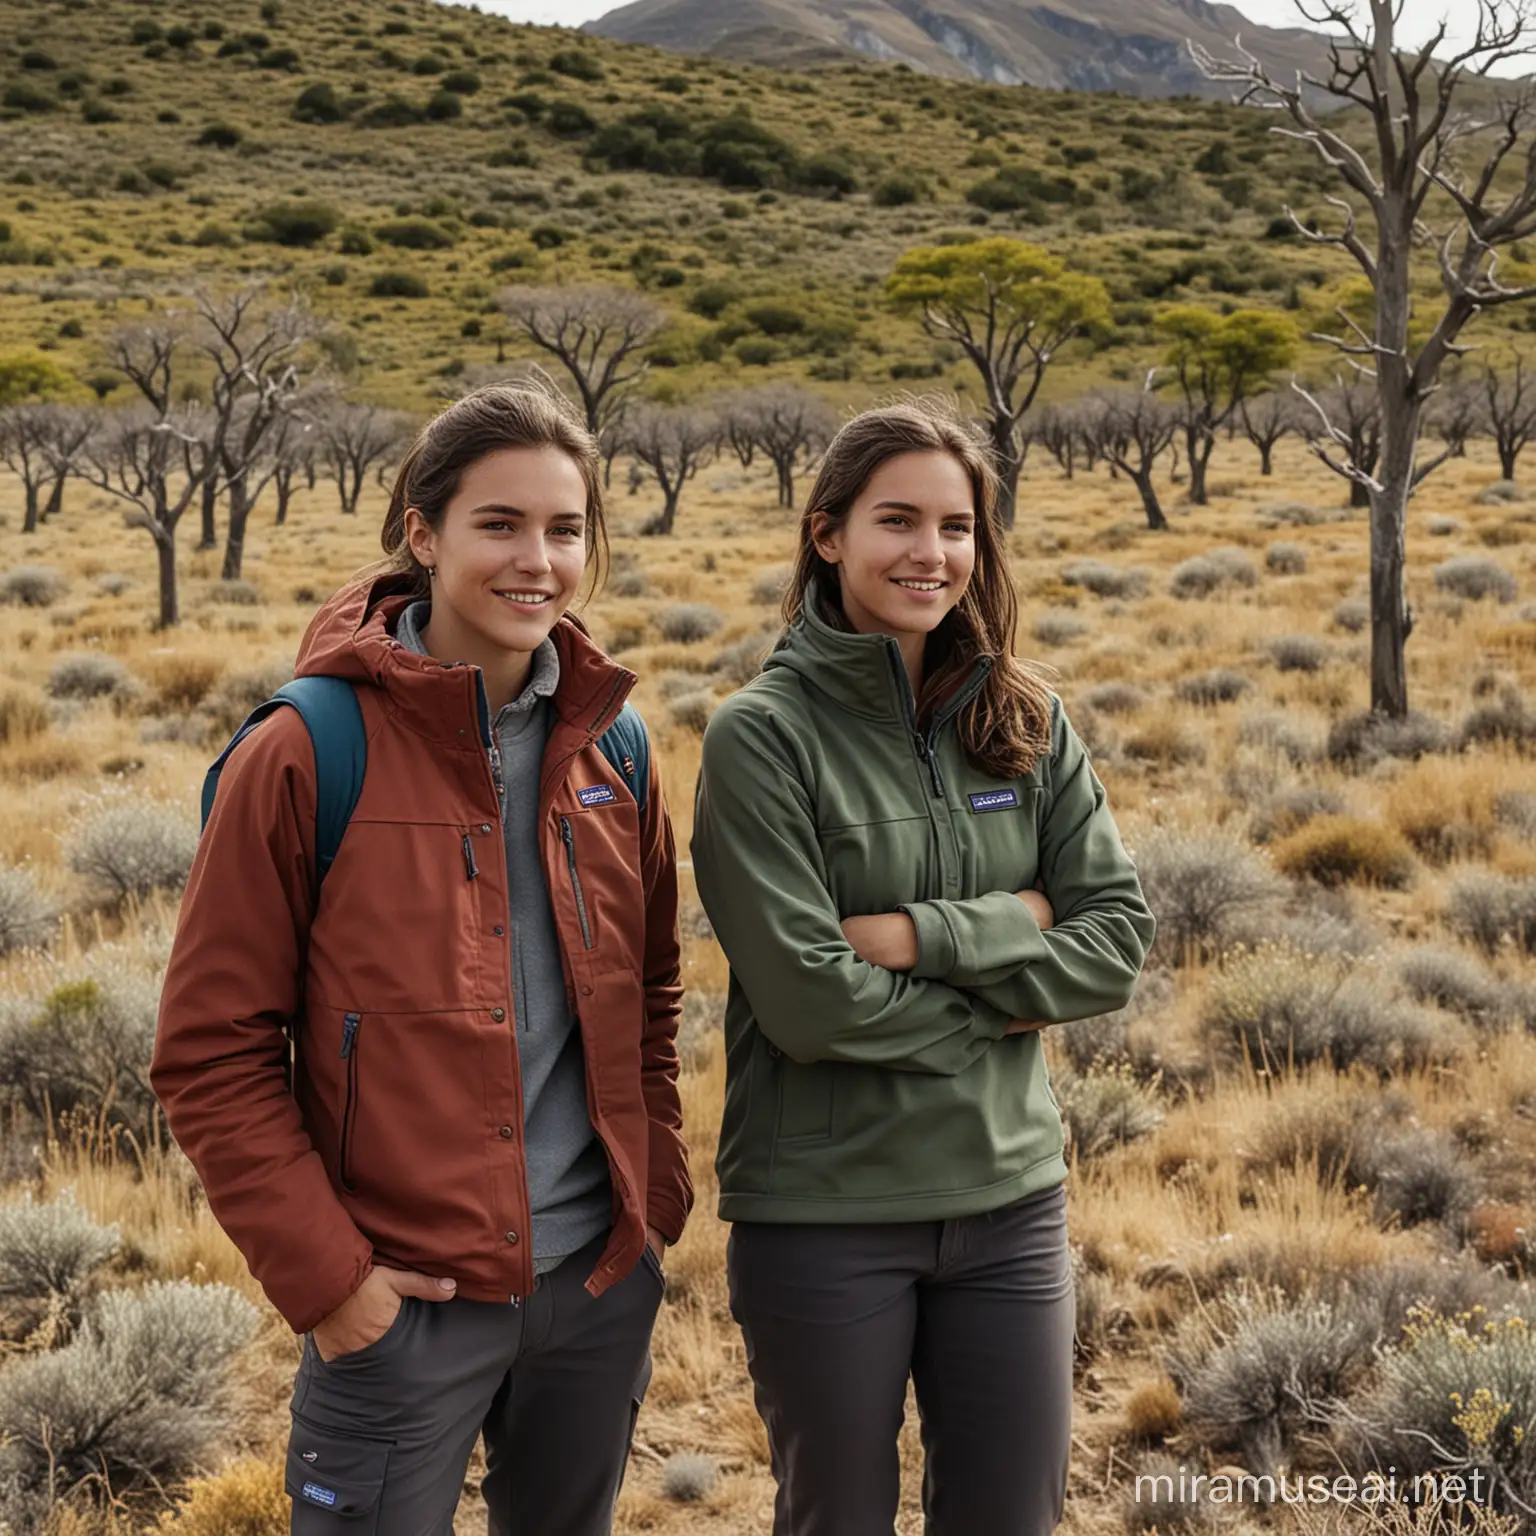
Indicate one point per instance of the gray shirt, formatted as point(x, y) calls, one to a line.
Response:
point(568, 1184)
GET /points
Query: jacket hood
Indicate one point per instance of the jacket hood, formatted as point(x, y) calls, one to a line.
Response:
point(352, 637)
point(863, 674)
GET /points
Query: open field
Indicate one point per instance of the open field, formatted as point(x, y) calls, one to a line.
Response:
point(1324, 1097)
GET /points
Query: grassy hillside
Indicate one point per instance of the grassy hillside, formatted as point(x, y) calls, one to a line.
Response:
point(444, 153)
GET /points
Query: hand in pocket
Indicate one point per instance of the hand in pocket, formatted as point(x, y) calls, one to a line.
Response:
point(370, 1311)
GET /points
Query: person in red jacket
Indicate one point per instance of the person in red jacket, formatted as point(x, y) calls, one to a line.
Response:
point(463, 1196)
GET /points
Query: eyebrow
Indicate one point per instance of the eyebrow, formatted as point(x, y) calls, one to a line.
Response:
point(906, 506)
point(505, 509)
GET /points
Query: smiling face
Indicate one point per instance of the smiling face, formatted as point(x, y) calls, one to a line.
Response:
point(509, 552)
point(906, 551)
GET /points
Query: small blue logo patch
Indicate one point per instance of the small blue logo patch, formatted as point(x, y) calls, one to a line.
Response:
point(597, 794)
point(995, 800)
point(318, 1495)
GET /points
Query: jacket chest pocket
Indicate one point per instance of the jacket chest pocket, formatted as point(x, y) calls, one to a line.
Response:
point(406, 921)
point(996, 828)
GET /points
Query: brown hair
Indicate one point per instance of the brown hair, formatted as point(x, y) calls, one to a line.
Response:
point(1006, 728)
point(529, 414)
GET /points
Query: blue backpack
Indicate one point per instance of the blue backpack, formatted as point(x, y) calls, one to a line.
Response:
point(329, 709)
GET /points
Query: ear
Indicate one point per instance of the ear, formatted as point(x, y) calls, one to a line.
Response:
point(419, 538)
point(826, 540)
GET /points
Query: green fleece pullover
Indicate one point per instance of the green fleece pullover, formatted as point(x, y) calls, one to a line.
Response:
point(856, 1093)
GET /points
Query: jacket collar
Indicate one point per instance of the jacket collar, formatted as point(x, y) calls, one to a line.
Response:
point(862, 674)
point(352, 636)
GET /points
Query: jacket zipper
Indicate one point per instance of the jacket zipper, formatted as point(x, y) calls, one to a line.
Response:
point(350, 1026)
point(923, 745)
point(569, 839)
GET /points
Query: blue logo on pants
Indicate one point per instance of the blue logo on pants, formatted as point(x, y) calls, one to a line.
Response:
point(318, 1495)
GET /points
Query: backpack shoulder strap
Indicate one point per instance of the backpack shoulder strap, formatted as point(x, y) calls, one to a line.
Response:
point(628, 748)
point(334, 719)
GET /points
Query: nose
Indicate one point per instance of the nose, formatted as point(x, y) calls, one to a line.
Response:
point(928, 549)
point(530, 555)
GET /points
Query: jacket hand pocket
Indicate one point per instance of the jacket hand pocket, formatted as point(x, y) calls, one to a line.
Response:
point(335, 1479)
point(805, 1101)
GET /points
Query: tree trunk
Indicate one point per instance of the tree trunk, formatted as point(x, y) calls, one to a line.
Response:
point(349, 496)
point(1150, 504)
point(56, 496)
point(1199, 448)
point(29, 517)
point(1508, 453)
point(1266, 458)
point(1359, 495)
point(283, 481)
point(234, 541)
point(165, 549)
point(1005, 451)
point(210, 534)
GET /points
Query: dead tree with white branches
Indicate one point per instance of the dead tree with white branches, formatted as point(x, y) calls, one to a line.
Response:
point(1265, 419)
point(1432, 175)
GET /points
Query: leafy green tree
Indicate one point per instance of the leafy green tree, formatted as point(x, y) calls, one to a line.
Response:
point(1216, 362)
point(32, 376)
point(1010, 307)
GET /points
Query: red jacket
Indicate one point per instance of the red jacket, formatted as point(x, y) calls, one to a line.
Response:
point(403, 937)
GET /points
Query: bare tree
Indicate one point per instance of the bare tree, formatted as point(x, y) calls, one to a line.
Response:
point(1510, 402)
point(354, 439)
point(1454, 413)
point(790, 425)
point(294, 455)
point(1265, 419)
point(674, 442)
point(66, 429)
point(596, 334)
point(156, 462)
point(252, 350)
point(1419, 143)
point(1348, 416)
point(1132, 429)
point(1059, 428)
point(24, 432)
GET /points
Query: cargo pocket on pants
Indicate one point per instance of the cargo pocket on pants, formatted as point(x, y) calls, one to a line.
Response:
point(336, 1480)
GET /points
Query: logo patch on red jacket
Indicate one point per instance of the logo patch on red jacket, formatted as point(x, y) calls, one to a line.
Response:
point(597, 794)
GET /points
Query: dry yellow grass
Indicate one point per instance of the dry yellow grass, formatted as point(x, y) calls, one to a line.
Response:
point(1229, 1184)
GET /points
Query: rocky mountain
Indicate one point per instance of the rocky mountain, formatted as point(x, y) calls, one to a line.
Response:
point(1133, 46)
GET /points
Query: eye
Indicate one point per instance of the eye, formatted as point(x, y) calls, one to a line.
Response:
point(568, 530)
point(494, 524)
point(894, 518)
point(958, 527)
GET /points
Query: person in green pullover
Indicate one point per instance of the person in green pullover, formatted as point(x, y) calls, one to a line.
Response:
point(911, 867)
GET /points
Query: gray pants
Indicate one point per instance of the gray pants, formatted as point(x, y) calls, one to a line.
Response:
point(381, 1438)
point(978, 1311)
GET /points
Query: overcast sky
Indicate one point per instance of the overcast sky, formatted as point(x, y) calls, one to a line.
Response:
point(1419, 17)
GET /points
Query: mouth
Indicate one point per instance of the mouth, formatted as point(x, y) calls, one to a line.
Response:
point(526, 599)
point(923, 588)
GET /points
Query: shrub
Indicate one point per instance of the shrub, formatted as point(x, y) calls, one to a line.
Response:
point(298, 221)
point(23, 96)
point(1105, 580)
point(898, 189)
point(23, 715)
point(393, 112)
point(246, 1499)
point(355, 241)
point(1058, 626)
point(692, 710)
point(1115, 698)
point(33, 586)
point(235, 594)
point(1492, 909)
point(1201, 883)
point(770, 585)
point(1293, 808)
point(1456, 1389)
point(50, 1248)
point(1339, 850)
point(462, 82)
point(138, 1398)
point(91, 675)
point(1297, 514)
point(1105, 1108)
point(133, 849)
point(741, 661)
point(1510, 720)
point(569, 120)
point(414, 235)
point(576, 64)
point(239, 693)
point(630, 583)
point(1298, 653)
point(689, 622)
point(1474, 577)
point(1363, 740)
point(398, 285)
point(1439, 527)
point(688, 1476)
point(1352, 614)
point(319, 103)
point(1220, 686)
point(1213, 572)
point(221, 136)
point(1285, 559)
point(444, 106)
point(1278, 1005)
point(1167, 742)
point(1254, 1374)
point(28, 917)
